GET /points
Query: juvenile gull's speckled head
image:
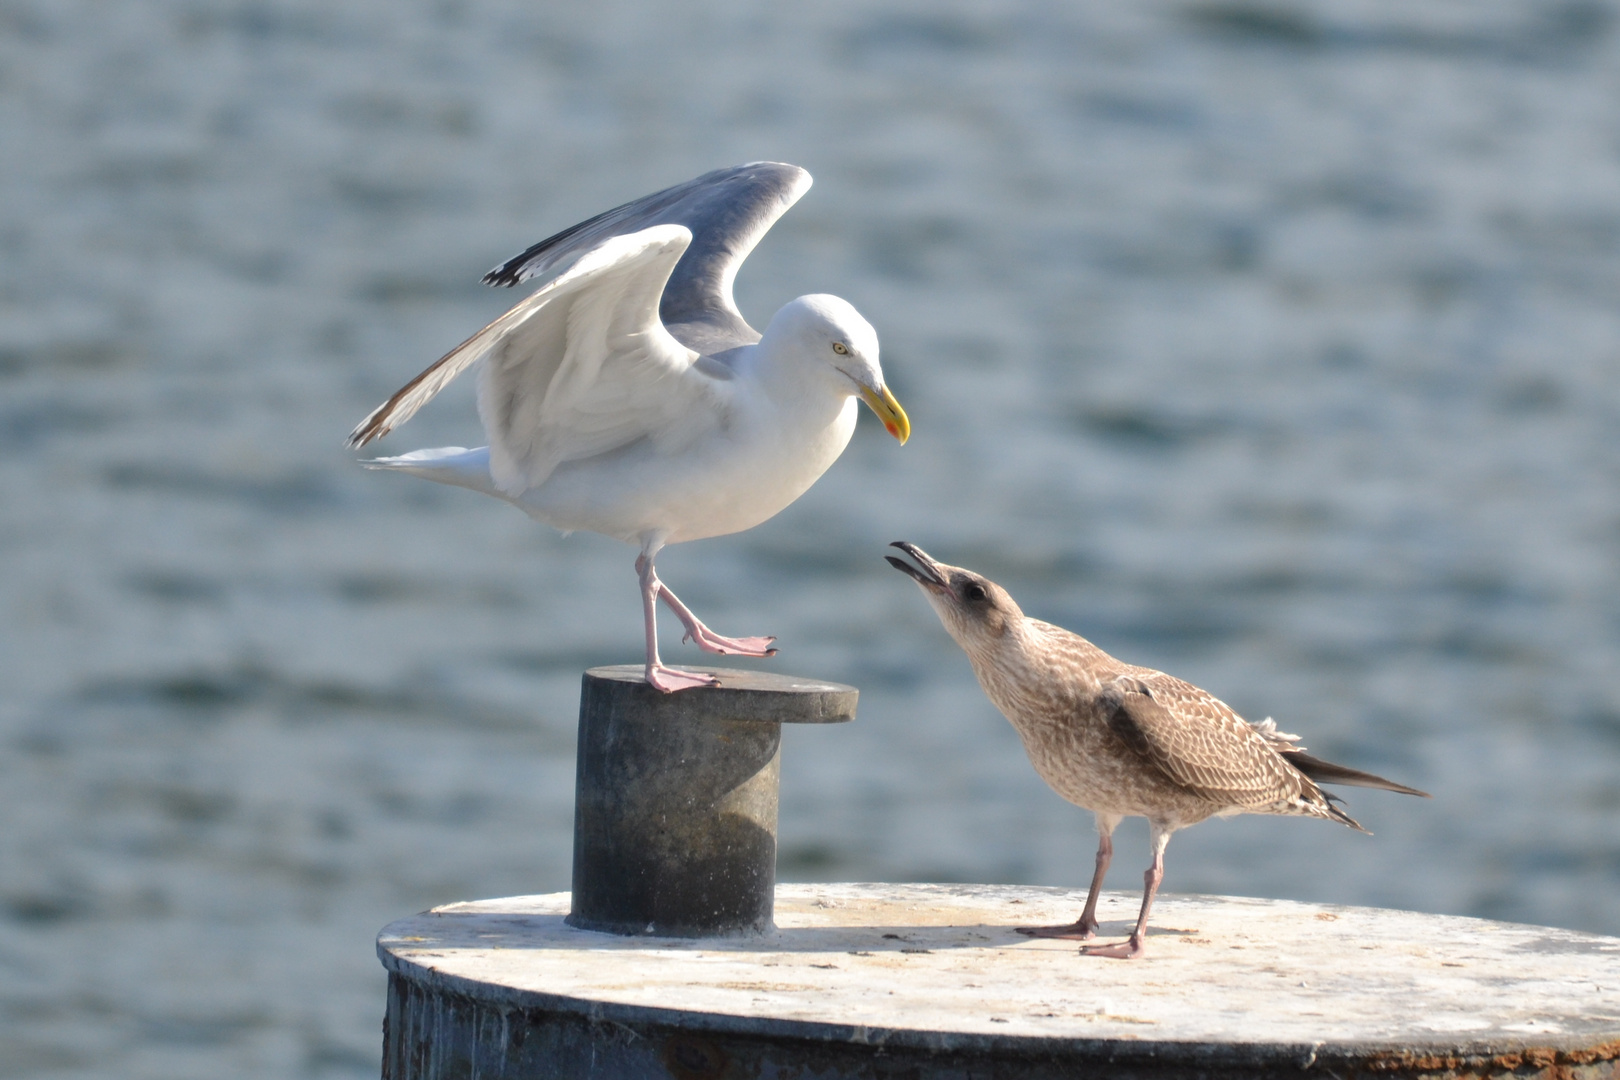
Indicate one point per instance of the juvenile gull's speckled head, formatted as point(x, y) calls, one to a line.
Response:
point(976, 611)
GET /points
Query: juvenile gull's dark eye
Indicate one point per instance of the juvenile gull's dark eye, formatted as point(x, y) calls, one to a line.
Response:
point(973, 592)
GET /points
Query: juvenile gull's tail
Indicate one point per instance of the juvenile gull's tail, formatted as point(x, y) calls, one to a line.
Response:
point(1325, 772)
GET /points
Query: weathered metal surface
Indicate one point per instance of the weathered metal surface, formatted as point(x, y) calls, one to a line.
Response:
point(931, 982)
point(675, 799)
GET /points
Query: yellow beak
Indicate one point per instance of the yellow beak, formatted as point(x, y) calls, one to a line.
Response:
point(889, 411)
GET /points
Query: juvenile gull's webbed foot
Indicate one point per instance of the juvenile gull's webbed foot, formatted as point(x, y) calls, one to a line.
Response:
point(1079, 930)
point(1126, 950)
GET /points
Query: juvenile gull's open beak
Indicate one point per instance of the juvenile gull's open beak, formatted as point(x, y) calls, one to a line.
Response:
point(929, 576)
point(888, 410)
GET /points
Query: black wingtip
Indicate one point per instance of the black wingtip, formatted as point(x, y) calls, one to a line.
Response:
point(1343, 818)
point(367, 430)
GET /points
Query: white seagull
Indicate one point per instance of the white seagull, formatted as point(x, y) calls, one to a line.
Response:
point(629, 397)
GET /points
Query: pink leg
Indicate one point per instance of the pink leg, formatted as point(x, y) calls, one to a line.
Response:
point(659, 677)
point(1085, 927)
point(1136, 947)
point(707, 639)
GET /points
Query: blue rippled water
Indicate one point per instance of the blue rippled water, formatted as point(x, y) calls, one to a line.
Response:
point(1274, 344)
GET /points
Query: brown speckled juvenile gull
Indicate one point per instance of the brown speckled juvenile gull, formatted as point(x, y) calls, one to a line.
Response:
point(1118, 740)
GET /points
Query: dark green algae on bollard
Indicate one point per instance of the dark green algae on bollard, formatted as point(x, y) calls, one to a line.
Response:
point(675, 799)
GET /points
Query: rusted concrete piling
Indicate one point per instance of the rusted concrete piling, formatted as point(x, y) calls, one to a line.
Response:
point(930, 981)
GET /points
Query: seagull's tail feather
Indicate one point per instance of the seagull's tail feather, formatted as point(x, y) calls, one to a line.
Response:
point(1325, 772)
point(446, 464)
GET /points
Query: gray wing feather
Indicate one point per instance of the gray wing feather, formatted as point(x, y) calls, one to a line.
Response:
point(727, 211)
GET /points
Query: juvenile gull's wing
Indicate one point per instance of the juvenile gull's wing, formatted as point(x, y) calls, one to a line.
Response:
point(1198, 742)
point(727, 211)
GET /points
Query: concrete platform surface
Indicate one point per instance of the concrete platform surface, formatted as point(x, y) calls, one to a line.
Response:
point(941, 966)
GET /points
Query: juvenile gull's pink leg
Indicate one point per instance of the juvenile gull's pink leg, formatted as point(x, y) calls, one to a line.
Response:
point(659, 677)
point(1085, 927)
point(1136, 946)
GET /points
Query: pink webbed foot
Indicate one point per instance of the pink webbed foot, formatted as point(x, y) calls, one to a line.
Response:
point(709, 641)
point(668, 679)
point(1075, 931)
point(1132, 949)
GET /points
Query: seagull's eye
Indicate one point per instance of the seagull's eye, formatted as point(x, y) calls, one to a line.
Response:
point(840, 348)
point(973, 592)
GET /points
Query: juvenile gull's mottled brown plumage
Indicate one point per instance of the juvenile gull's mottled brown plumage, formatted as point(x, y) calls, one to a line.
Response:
point(1122, 740)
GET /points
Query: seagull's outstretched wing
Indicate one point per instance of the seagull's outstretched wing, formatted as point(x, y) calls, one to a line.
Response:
point(579, 368)
point(727, 211)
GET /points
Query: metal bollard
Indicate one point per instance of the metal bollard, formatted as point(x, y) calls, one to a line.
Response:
point(675, 799)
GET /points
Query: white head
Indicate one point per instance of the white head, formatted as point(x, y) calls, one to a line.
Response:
point(835, 339)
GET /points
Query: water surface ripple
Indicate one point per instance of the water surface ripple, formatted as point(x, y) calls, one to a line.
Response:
point(1272, 344)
